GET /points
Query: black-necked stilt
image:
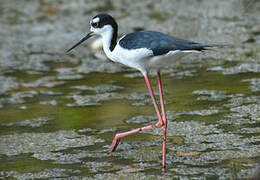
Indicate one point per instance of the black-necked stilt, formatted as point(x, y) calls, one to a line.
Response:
point(144, 50)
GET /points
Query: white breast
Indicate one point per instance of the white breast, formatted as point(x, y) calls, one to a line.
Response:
point(135, 58)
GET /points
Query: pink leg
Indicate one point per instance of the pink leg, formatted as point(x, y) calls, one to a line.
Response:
point(121, 135)
point(164, 118)
point(159, 124)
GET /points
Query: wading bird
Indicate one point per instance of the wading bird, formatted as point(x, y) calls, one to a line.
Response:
point(144, 51)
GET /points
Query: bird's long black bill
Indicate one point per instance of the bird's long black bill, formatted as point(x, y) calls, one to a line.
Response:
point(81, 41)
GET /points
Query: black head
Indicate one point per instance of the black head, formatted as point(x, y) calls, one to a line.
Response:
point(100, 20)
point(101, 24)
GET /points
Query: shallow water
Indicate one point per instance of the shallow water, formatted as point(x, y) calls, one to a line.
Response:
point(59, 113)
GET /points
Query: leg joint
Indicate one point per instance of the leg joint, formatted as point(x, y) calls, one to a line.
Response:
point(159, 124)
point(118, 136)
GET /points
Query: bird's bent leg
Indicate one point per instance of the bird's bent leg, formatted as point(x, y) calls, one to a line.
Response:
point(164, 118)
point(157, 125)
point(121, 135)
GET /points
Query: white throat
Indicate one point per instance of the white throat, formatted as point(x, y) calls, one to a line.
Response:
point(107, 33)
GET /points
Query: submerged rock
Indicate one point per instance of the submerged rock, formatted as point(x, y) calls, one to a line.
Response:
point(141, 119)
point(99, 89)
point(251, 111)
point(30, 123)
point(42, 174)
point(16, 144)
point(92, 100)
point(60, 158)
point(255, 84)
point(19, 97)
point(106, 66)
point(242, 68)
point(47, 81)
point(68, 74)
point(210, 95)
point(7, 83)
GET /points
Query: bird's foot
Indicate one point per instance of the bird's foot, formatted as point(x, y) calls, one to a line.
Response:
point(114, 144)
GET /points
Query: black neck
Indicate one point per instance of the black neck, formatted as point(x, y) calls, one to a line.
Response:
point(113, 40)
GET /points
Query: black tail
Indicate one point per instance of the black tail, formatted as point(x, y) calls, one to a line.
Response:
point(204, 47)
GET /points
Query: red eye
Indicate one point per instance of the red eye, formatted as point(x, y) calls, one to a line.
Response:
point(94, 24)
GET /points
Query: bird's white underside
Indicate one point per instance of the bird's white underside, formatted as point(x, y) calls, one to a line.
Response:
point(141, 59)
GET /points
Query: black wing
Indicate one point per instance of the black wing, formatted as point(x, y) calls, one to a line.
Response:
point(160, 43)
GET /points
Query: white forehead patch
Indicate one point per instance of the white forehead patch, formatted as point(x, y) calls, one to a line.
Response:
point(96, 20)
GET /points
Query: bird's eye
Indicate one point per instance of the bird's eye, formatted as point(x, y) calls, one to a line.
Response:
point(94, 24)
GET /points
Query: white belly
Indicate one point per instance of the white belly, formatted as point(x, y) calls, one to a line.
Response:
point(135, 58)
point(142, 59)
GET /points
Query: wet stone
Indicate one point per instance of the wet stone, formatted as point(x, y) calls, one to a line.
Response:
point(210, 95)
point(133, 75)
point(34, 72)
point(203, 112)
point(7, 83)
point(207, 158)
point(107, 130)
point(182, 74)
point(139, 151)
point(141, 119)
point(95, 166)
point(30, 123)
point(92, 65)
point(255, 84)
point(172, 72)
point(221, 142)
point(242, 68)
point(250, 112)
point(43, 142)
point(99, 89)
point(47, 81)
point(2, 102)
point(85, 130)
point(68, 74)
point(36, 62)
point(249, 130)
point(188, 171)
point(42, 174)
point(98, 154)
point(23, 107)
point(227, 154)
point(185, 172)
point(246, 173)
point(216, 69)
point(19, 97)
point(91, 100)
point(140, 99)
point(238, 100)
point(50, 93)
point(60, 158)
point(188, 128)
point(123, 175)
point(52, 102)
